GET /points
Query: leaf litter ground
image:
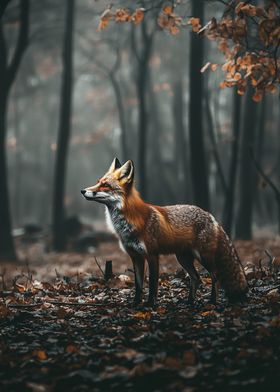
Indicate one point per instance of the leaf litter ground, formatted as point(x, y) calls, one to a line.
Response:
point(81, 333)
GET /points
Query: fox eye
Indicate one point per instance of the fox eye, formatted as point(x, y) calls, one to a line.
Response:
point(106, 185)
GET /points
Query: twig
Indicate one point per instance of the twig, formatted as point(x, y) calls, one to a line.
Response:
point(271, 259)
point(60, 303)
point(74, 303)
point(99, 266)
point(24, 305)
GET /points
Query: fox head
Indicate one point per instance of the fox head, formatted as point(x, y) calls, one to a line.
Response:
point(113, 186)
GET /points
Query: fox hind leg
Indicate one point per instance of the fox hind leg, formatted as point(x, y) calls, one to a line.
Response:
point(186, 260)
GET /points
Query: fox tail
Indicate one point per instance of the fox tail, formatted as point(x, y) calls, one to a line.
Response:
point(230, 272)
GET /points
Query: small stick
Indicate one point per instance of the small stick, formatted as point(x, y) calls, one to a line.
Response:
point(271, 259)
point(73, 303)
point(24, 305)
point(99, 266)
point(54, 303)
point(108, 270)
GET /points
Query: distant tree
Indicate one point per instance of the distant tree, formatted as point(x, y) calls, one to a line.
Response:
point(197, 149)
point(111, 72)
point(228, 213)
point(59, 235)
point(142, 50)
point(248, 178)
point(8, 72)
point(181, 154)
point(3, 6)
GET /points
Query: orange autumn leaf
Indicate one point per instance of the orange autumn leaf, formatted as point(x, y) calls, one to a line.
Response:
point(257, 96)
point(122, 15)
point(104, 19)
point(167, 10)
point(271, 88)
point(71, 349)
point(214, 67)
point(138, 15)
point(40, 355)
point(237, 76)
point(195, 23)
point(143, 315)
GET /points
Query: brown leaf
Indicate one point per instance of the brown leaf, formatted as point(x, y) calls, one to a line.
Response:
point(167, 10)
point(257, 96)
point(40, 355)
point(138, 15)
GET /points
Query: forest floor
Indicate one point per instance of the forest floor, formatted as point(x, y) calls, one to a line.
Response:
point(63, 327)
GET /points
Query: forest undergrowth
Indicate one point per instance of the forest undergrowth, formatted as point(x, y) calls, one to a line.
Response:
point(81, 332)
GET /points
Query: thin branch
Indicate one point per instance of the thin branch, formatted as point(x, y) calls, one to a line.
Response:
point(99, 266)
point(22, 41)
point(264, 176)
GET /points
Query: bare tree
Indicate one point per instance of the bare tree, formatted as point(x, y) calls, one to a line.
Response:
point(3, 6)
point(228, 213)
point(8, 72)
point(142, 53)
point(248, 178)
point(197, 149)
point(64, 129)
point(181, 158)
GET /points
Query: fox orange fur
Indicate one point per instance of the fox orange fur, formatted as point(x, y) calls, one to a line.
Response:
point(147, 231)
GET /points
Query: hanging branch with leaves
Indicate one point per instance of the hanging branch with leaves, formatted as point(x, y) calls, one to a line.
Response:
point(247, 35)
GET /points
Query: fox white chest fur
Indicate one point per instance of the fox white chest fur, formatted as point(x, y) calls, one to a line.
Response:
point(117, 223)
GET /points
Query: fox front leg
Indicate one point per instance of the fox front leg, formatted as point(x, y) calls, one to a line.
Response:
point(153, 262)
point(138, 264)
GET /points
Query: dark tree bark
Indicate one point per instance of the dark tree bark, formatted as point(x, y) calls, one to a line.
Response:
point(197, 150)
point(142, 56)
point(3, 6)
point(217, 159)
point(121, 111)
point(181, 151)
point(228, 213)
point(8, 74)
point(59, 239)
point(248, 178)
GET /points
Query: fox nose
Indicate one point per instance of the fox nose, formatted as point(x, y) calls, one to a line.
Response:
point(83, 191)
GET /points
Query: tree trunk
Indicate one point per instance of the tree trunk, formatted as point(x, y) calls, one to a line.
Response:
point(7, 250)
point(3, 6)
point(121, 111)
point(248, 179)
point(8, 72)
point(59, 240)
point(213, 141)
point(142, 80)
point(230, 197)
point(197, 149)
point(181, 151)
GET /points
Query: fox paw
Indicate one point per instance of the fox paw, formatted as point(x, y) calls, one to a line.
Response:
point(150, 304)
point(136, 302)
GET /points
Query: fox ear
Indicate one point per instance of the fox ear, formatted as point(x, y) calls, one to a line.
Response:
point(127, 172)
point(115, 165)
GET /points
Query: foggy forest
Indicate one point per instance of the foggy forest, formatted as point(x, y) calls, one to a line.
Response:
point(177, 100)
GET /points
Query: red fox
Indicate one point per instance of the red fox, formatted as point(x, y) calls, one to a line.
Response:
point(147, 231)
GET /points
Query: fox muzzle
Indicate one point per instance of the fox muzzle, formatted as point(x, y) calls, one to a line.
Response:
point(89, 195)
